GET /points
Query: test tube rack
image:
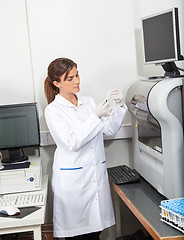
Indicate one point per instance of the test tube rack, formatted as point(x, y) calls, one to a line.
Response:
point(172, 213)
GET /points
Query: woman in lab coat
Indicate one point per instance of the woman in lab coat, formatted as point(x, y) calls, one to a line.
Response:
point(81, 194)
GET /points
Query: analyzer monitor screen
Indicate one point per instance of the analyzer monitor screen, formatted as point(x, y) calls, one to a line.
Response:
point(161, 40)
point(19, 128)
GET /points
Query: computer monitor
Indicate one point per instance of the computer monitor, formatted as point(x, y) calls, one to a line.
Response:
point(161, 41)
point(19, 128)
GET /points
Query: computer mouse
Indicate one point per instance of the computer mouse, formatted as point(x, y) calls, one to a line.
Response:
point(10, 210)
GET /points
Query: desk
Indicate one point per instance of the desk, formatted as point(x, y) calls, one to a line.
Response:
point(32, 222)
point(143, 200)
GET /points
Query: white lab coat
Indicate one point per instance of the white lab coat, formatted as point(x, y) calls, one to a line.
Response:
point(82, 199)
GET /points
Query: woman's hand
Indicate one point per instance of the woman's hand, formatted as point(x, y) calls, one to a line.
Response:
point(117, 96)
point(104, 109)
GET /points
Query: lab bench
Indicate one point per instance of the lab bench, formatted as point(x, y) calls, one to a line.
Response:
point(143, 201)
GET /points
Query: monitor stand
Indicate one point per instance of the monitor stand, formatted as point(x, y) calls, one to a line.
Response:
point(171, 71)
point(164, 77)
point(156, 77)
point(14, 156)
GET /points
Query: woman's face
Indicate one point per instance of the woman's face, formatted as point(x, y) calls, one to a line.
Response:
point(71, 83)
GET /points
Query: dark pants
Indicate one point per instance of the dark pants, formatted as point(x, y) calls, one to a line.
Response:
point(89, 236)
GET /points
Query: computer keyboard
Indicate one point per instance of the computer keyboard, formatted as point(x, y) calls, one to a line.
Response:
point(27, 199)
point(123, 174)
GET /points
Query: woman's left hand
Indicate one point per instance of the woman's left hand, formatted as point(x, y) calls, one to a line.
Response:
point(116, 95)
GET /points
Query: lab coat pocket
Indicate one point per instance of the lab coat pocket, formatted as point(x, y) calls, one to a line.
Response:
point(103, 170)
point(71, 177)
point(71, 185)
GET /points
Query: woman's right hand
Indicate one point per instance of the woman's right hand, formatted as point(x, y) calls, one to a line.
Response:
point(104, 109)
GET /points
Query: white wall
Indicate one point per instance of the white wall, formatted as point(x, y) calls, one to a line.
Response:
point(16, 85)
point(98, 35)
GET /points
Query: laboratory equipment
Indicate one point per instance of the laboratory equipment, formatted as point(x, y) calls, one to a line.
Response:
point(158, 153)
point(172, 213)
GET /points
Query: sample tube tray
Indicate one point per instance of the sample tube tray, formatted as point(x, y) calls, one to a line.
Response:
point(172, 213)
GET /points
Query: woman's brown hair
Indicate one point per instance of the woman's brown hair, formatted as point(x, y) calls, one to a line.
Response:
point(56, 69)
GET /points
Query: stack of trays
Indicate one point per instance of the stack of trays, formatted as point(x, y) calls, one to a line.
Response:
point(172, 213)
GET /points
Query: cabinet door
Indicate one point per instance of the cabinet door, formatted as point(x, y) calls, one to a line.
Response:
point(15, 62)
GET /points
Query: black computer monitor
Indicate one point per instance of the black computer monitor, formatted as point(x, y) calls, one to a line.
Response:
point(19, 128)
point(161, 41)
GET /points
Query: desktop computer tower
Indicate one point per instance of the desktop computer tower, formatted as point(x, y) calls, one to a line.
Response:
point(22, 179)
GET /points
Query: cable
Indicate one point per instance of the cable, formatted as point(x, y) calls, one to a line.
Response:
point(23, 152)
